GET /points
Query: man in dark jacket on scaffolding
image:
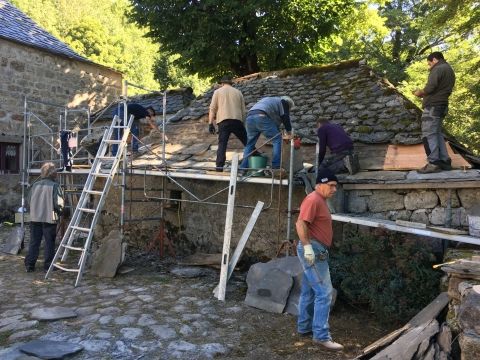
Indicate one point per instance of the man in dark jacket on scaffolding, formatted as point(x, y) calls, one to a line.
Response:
point(138, 112)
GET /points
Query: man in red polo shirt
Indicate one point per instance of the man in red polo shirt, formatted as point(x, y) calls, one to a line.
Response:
point(314, 228)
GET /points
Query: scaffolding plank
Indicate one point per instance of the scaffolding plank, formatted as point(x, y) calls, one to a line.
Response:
point(390, 225)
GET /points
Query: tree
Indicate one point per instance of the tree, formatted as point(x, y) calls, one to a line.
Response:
point(213, 37)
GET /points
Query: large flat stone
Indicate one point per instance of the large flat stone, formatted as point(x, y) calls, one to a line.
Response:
point(14, 241)
point(470, 346)
point(271, 292)
point(469, 311)
point(289, 264)
point(15, 354)
point(108, 256)
point(53, 313)
point(376, 176)
point(47, 349)
point(445, 175)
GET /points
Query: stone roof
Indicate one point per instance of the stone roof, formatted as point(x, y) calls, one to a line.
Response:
point(177, 99)
point(348, 93)
point(18, 27)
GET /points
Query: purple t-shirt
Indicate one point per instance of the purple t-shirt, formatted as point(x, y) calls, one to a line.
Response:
point(333, 136)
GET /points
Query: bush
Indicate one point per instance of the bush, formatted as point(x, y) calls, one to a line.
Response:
point(392, 275)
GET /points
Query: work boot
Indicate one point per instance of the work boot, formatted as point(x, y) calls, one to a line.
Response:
point(351, 163)
point(329, 345)
point(444, 165)
point(429, 169)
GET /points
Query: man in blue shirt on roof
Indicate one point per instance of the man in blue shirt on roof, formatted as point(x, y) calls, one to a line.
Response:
point(139, 112)
point(265, 117)
point(341, 155)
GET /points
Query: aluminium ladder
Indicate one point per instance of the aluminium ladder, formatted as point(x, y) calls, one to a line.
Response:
point(86, 215)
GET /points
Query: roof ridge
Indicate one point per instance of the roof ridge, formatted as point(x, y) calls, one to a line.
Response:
point(304, 70)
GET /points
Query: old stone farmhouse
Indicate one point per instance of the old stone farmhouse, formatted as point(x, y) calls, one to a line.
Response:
point(37, 66)
point(386, 129)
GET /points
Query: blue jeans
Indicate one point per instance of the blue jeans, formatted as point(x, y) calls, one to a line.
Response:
point(262, 124)
point(315, 294)
point(118, 133)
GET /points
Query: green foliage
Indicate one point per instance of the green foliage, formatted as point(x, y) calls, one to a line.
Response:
point(240, 36)
point(391, 275)
point(100, 31)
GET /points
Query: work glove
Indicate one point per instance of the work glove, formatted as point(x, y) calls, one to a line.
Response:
point(211, 129)
point(308, 254)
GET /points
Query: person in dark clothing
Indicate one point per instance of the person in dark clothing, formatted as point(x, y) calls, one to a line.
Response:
point(341, 157)
point(138, 112)
point(435, 94)
point(265, 117)
point(46, 206)
point(67, 155)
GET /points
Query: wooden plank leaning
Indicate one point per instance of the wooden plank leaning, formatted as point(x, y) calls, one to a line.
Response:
point(398, 340)
point(242, 242)
point(222, 284)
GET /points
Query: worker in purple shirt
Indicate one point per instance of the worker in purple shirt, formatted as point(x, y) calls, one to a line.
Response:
point(341, 157)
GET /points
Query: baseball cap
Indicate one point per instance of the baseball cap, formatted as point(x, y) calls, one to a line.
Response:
point(324, 176)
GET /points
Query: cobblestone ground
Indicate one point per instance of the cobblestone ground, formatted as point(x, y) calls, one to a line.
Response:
point(152, 314)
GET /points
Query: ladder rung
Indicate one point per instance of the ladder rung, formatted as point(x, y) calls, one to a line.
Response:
point(79, 228)
point(112, 141)
point(65, 269)
point(101, 174)
point(72, 247)
point(93, 192)
point(119, 127)
point(106, 157)
point(91, 211)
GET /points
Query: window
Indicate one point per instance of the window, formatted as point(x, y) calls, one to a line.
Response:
point(9, 158)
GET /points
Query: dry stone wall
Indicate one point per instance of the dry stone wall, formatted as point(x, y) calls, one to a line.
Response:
point(424, 206)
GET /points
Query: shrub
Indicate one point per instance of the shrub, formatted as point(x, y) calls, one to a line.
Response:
point(392, 275)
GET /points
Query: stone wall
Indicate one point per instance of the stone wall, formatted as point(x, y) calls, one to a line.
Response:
point(44, 76)
point(463, 279)
point(39, 75)
point(200, 227)
point(423, 206)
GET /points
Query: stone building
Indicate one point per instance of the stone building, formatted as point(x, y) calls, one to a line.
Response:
point(386, 129)
point(36, 65)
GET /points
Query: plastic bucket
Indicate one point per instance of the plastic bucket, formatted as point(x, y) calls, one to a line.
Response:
point(257, 162)
point(474, 225)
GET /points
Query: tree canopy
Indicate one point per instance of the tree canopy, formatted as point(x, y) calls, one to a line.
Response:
point(213, 37)
point(187, 43)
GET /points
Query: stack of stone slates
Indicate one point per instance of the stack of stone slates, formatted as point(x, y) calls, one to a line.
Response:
point(464, 311)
